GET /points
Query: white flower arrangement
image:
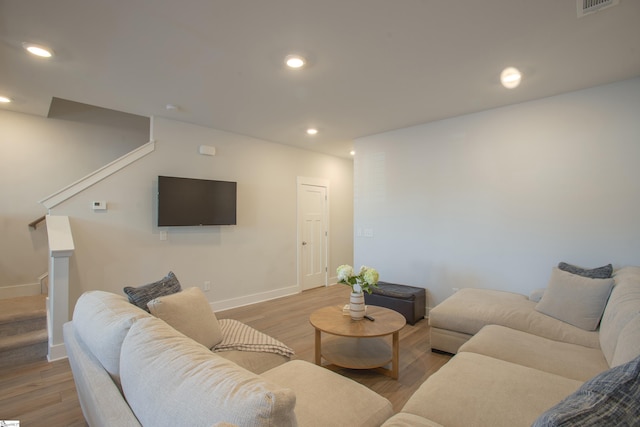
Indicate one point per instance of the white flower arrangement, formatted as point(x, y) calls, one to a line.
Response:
point(365, 280)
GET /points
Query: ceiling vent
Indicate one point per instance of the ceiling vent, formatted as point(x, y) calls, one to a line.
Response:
point(585, 7)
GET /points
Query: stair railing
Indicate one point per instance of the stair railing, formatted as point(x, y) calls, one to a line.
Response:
point(34, 224)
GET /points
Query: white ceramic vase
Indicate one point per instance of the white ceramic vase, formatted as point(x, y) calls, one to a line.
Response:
point(356, 305)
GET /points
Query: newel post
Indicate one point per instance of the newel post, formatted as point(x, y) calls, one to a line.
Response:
point(61, 248)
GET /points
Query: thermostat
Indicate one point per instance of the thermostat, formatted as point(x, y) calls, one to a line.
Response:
point(99, 205)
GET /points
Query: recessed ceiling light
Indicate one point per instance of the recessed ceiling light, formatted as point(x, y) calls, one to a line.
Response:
point(510, 77)
point(295, 61)
point(38, 50)
point(312, 131)
point(5, 99)
point(352, 152)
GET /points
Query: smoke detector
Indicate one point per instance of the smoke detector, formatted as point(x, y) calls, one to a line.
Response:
point(586, 7)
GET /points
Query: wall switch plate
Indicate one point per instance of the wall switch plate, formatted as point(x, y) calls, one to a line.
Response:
point(163, 235)
point(207, 286)
point(207, 150)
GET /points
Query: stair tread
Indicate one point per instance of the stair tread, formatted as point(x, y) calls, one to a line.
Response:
point(22, 308)
point(22, 340)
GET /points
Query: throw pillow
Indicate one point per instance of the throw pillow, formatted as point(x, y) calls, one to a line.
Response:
point(574, 299)
point(603, 272)
point(189, 312)
point(141, 295)
point(611, 398)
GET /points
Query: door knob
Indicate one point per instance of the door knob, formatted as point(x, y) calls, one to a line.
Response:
point(304, 243)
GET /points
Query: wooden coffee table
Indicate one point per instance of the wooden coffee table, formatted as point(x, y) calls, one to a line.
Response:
point(359, 344)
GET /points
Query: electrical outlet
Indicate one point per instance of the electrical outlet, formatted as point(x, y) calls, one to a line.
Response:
point(455, 290)
point(206, 286)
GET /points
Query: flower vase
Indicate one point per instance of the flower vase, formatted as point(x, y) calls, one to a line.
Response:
point(356, 305)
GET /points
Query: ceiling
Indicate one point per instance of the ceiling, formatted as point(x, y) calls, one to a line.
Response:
point(374, 65)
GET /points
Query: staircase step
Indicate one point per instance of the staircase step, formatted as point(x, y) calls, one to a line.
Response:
point(22, 308)
point(21, 340)
point(22, 314)
point(23, 330)
point(23, 348)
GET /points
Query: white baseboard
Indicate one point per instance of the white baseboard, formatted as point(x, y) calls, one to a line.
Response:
point(57, 352)
point(20, 290)
point(252, 299)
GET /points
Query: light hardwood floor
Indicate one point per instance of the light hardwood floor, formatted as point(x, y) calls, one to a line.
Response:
point(287, 319)
point(40, 394)
point(43, 394)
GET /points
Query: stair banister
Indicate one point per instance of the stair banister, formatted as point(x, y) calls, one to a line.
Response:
point(61, 248)
point(34, 224)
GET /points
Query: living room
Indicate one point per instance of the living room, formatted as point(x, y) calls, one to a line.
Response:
point(472, 200)
point(489, 198)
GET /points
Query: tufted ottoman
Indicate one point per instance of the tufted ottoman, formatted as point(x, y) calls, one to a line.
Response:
point(406, 300)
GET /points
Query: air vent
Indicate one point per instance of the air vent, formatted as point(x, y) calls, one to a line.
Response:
point(585, 7)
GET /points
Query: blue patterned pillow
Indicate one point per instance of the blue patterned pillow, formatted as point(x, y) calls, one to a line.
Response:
point(141, 295)
point(603, 272)
point(611, 398)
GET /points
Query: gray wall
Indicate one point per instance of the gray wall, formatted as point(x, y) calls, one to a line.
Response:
point(251, 261)
point(39, 156)
point(495, 199)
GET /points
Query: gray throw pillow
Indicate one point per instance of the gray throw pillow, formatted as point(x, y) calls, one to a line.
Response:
point(574, 299)
point(611, 398)
point(603, 272)
point(141, 295)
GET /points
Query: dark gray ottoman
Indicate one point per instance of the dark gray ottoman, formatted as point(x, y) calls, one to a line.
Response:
point(406, 300)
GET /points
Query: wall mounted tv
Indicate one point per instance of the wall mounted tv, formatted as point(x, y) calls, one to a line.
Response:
point(189, 202)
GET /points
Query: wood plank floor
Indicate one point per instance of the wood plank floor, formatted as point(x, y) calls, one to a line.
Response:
point(40, 394)
point(287, 319)
point(43, 394)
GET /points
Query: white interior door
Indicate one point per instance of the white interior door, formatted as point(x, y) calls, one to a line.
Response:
point(313, 235)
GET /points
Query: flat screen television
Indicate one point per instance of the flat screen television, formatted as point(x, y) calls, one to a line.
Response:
point(190, 201)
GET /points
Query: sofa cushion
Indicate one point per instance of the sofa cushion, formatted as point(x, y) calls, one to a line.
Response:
point(477, 390)
point(628, 347)
point(623, 305)
point(324, 398)
point(469, 309)
point(190, 313)
point(170, 380)
point(603, 272)
point(574, 299)
point(612, 398)
point(103, 408)
point(101, 320)
point(141, 295)
point(568, 360)
point(254, 361)
point(404, 419)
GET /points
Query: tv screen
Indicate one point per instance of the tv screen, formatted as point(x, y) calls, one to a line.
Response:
point(189, 201)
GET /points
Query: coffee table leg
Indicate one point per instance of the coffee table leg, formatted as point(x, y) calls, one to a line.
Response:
point(395, 357)
point(318, 348)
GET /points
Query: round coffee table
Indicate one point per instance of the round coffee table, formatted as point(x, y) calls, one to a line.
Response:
point(358, 344)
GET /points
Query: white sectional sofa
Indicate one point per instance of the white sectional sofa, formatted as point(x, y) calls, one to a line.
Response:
point(516, 366)
point(134, 369)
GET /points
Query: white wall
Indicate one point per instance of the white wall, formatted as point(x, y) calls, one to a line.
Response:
point(251, 261)
point(495, 199)
point(39, 156)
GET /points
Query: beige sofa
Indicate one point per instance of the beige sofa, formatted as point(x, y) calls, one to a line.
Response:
point(513, 362)
point(132, 368)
